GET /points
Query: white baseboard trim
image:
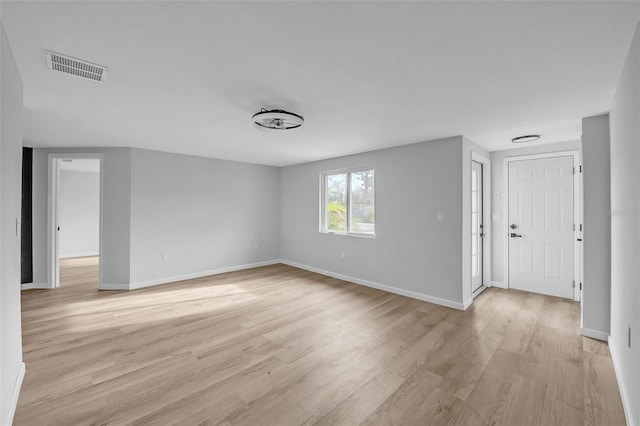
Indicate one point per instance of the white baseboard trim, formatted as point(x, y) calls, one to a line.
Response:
point(467, 303)
point(81, 254)
point(15, 394)
point(594, 334)
point(143, 284)
point(112, 286)
point(384, 287)
point(29, 286)
point(498, 284)
point(626, 404)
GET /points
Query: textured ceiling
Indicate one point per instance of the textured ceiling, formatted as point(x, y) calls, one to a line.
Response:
point(187, 76)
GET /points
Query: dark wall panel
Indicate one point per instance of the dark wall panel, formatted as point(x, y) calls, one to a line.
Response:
point(27, 200)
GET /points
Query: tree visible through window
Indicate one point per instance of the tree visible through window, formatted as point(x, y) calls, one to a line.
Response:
point(337, 202)
point(349, 202)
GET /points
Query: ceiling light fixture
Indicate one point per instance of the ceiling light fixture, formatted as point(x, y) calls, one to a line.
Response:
point(276, 120)
point(526, 138)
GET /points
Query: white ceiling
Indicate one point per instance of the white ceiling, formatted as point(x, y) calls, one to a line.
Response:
point(187, 76)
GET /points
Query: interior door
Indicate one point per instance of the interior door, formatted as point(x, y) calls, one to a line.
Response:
point(477, 226)
point(541, 214)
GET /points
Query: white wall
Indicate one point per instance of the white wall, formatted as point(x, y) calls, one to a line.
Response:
point(11, 365)
point(115, 255)
point(499, 226)
point(207, 215)
point(412, 253)
point(625, 231)
point(79, 210)
point(596, 294)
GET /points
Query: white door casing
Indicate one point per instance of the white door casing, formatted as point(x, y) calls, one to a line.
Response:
point(477, 231)
point(541, 206)
point(53, 261)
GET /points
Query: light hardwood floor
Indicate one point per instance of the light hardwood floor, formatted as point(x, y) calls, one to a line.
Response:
point(278, 345)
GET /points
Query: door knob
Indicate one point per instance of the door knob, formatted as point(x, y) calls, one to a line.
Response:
point(513, 226)
point(514, 235)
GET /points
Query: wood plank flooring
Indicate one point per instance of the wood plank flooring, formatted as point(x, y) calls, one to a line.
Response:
point(282, 346)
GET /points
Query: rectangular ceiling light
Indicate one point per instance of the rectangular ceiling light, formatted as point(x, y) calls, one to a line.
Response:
point(77, 67)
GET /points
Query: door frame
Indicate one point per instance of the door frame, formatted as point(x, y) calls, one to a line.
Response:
point(577, 213)
point(486, 214)
point(53, 215)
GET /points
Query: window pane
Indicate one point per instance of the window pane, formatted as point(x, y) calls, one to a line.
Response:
point(363, 218)
point(336, 192)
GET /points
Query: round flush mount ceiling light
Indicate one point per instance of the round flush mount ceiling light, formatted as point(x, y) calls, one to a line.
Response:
point(276, 120)
point(525, 138)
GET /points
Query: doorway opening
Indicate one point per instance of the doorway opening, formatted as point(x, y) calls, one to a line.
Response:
point(543, 218)
point(75, 219)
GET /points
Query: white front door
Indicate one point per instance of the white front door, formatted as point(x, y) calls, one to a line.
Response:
point(541, 226)
point(477, 232)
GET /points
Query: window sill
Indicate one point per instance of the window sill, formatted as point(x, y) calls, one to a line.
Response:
point(349, 234)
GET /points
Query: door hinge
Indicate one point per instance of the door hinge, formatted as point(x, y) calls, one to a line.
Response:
point(574, 227)
point(580, 286)
point(581, 168)
point(574, 284)
point(573, 170)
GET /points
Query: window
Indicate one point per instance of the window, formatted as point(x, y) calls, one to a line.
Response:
point(349, 202)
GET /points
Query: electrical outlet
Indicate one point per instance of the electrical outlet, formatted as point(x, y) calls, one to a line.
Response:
point(165, 256)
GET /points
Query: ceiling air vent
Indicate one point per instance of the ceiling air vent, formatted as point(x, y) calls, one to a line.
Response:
point(78, 67)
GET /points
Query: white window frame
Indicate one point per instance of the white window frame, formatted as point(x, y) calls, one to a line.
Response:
point(323, 201)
